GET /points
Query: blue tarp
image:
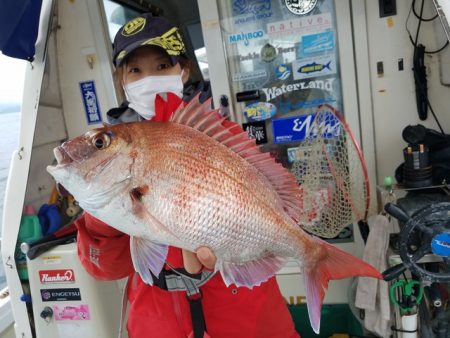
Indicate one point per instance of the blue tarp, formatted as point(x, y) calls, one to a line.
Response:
point(19, 25)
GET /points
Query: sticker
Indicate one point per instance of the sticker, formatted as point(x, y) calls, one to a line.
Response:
point(300, 26)
point(286, 106)
point(319, 42)
point(440, 245)
point(55, 295)
point(300, 7)
point(298, 128)
point(90, 102)
point(71, 312)
point(246, 11)
point(282, 72)
point(314, 67)
point(56, 276)
point(274, 92)
point(51, 259)
point(249, 75)
point(297, 153)
point(245, 37)
point(257, 131)
point(268, 53)
point(260, 111)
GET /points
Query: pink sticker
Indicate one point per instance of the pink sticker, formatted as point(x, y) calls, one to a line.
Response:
point(71, 312)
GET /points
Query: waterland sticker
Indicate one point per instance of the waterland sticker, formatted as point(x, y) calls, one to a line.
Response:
point(315, 43)
point(314, 67)
point(274, 92)
point(283, 71)
point(71, 312)
point(259, 111)
point(90, 102)
point(298, 128)
point(257, 131)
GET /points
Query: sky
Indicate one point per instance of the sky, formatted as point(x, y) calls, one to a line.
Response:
point(12, 76)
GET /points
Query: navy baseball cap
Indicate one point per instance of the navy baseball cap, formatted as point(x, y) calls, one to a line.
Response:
point(147, 30)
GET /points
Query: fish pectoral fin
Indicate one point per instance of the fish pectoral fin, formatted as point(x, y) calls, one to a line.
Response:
point(136, 195)
point(147, 256)
point(251, 273)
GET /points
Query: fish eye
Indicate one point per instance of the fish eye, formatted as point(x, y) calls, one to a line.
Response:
point(101, 141)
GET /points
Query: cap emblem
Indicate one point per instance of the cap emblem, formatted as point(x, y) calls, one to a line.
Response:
point(133, 26)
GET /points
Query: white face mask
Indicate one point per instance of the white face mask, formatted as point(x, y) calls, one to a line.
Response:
point(141, 94)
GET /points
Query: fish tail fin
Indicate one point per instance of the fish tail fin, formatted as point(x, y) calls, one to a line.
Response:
point(328, 65)
point(334, 264)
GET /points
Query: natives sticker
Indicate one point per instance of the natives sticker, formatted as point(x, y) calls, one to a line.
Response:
point(256, 74)
point(55, 295)
point(314, 67)
point(300, 26)
point(274, 92)
point(90, 102)
point(71, 312)
point(245, 37)
point(257, 131)
point(246, 11)
point(260, 111)
point(319, 42)
point(282, 72)
point(56, 276)
point(298, 128)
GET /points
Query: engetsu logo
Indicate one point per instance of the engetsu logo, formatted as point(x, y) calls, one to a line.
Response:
point(274, 92)
point(245, 37)
point(56, 276)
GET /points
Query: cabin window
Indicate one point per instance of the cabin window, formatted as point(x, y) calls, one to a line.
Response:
point(12, 74)
point(117, 15)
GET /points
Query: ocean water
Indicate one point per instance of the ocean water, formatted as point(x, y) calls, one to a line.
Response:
point(9, 134)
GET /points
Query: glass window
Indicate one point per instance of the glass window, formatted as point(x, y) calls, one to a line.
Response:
point(12, 74)
point(117, 15)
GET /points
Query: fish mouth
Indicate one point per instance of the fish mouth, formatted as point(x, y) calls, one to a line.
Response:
point(62, 157)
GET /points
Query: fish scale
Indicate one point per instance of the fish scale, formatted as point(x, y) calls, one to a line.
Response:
point(193, 182)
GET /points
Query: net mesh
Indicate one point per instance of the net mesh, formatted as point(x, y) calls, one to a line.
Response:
point(331, 171)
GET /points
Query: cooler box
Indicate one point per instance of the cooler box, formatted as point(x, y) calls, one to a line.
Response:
point(67, 301)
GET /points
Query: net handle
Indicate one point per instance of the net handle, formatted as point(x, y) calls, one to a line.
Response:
point(358, 151)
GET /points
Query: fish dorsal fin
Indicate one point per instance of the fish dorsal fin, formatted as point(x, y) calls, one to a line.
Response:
point(202, 117)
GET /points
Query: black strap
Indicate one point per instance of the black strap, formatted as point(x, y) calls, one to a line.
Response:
point(197, 316)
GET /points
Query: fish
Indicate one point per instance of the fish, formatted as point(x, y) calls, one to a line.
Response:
point(198, 181)
point(313, 67)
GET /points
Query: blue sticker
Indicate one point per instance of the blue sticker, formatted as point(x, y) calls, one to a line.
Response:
point(90, 102)
point(298, 128)
point(260, 111)
point(440, 245)
point(282, 72)
point(319, 42)
point(246, 11)
point(245, 37)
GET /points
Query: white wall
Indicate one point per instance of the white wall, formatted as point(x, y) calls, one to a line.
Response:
point(393, 94)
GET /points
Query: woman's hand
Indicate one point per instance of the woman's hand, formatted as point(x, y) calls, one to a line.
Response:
point(194, 262)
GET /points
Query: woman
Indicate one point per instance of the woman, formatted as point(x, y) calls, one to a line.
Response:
point(187, 300)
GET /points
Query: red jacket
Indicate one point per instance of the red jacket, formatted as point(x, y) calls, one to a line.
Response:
point(229, 311)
